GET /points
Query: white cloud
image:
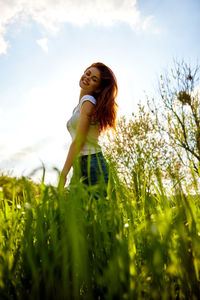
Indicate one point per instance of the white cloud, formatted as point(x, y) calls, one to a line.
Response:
point(43, 44)
point(36, 129)
point(147, 25)
point(147, 22)
point(77, 12)
point(3, 45)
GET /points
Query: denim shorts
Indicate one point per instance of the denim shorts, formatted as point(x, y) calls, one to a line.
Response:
point(93, 169)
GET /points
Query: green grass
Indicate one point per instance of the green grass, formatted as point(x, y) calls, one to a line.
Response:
point(70, 245)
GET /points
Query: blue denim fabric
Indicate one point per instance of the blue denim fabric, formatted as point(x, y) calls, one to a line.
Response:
point(93, 168)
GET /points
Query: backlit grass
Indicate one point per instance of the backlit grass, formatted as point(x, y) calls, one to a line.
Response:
point(82, 244)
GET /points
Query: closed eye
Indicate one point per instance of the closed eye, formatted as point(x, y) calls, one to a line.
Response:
point(88, 73)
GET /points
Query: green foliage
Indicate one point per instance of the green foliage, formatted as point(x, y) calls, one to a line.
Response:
point(138, 151)
point(81, 243)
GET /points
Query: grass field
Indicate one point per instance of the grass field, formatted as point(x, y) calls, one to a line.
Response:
point(73, 244)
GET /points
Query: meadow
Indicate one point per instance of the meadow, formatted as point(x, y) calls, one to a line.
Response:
point(79, 243)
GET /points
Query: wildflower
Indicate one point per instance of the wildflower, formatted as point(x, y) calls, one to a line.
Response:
point(27, 205)
point(148, 278)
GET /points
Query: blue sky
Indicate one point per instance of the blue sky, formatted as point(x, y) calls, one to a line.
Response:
point(44, 48)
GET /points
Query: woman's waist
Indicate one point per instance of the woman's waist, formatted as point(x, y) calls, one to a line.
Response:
point(95, 154)
point(89, 149)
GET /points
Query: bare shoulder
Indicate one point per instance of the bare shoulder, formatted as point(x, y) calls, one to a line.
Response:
point(87, 107)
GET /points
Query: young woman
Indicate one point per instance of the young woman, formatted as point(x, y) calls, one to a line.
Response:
point(95, 113)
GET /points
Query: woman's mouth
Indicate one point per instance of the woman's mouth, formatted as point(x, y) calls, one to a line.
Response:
point(85, 82)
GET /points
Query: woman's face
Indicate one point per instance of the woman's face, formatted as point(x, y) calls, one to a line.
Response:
point(90, 80)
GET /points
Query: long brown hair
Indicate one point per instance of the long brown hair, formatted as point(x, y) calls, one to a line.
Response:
point(106, 109)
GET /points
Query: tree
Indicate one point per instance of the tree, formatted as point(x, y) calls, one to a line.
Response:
point(177, 112)
point(137, 150)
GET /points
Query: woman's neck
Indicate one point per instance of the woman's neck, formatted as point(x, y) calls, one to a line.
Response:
point(83, 93)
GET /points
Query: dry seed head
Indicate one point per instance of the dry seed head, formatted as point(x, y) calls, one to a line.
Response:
point(189, 77)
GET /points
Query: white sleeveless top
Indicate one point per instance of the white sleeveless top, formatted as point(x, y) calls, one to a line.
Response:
point(91, 144)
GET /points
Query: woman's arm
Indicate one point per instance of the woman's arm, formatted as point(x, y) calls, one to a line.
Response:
point(79, 140)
